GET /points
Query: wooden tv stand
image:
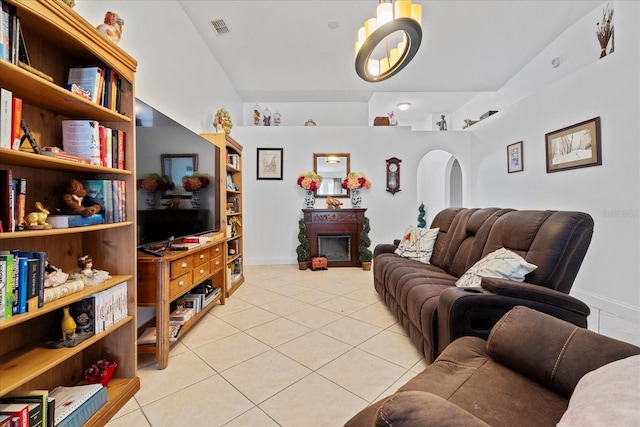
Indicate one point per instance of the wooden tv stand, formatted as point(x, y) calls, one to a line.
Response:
point(162, 280)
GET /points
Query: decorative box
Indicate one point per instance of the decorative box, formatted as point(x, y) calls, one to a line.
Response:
point(318, 263)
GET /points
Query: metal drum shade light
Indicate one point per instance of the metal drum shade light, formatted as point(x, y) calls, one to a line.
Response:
point(388, 42)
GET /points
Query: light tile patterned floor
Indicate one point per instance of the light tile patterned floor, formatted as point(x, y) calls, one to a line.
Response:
point(290, 348)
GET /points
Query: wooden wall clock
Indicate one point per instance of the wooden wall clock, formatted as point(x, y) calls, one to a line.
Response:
point(393, 175)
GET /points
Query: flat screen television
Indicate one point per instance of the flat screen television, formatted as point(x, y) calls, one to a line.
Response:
point(158, 135)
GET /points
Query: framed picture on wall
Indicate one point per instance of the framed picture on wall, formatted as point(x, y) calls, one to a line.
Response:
point(514, 157)
point(575, 146)
point(269, 163)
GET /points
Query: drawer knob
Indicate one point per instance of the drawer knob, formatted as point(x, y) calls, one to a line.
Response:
point(184, 265)
point(217, 262)
point(201, 271)
point(181, 283)
point(218, 249)
point(201, 256)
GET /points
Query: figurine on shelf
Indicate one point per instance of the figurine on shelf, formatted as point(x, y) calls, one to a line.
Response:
point(442, 124)
point(333, 203)
point(77, 201)
point(68, 325)
point(89, 275)
point(53, 276)
point(112, 26)
point(37, 220)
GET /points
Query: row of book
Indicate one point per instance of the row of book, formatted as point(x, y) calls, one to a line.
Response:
point(110, 195)
point(98, 84)
point(61, 407)
point(88, 139)
point(100, 311)
point(233, 160)
point(13, 193)
point(21, 282)
point(12, 48)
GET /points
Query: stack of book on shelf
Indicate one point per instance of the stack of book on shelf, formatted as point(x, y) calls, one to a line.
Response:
point(97, 84)
point(32, 408)
point(21, 282)
point(75, 405)
point(149, 334)
point(233, 160)
point(10, 120)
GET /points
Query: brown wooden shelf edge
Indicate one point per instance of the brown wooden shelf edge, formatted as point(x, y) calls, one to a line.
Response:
point(119, 391)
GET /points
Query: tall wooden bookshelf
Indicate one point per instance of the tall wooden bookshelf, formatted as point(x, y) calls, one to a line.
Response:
point(230, 186)
point(57, 39)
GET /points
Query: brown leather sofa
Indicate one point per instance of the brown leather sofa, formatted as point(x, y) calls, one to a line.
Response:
point(524, 375)
point(434, 312)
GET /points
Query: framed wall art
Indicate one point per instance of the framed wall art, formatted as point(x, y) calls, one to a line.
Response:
point(575, 146)
point(269, 163)
point(514, 157)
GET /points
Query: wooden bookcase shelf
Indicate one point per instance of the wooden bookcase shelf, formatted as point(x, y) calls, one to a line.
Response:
point(57, 38)
point(235, 266)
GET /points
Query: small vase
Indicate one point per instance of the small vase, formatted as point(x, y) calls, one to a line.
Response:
point(150, 199)
point(356, 199)
point(366, 265)
point(195, 199)
point(103, 378)
point(309, 200)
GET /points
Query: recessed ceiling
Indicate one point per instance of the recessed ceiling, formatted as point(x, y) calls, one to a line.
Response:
point(287, 51)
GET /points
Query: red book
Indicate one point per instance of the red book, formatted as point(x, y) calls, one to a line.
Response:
point(6, 200)
point(121, 142)
point(16, 119)
point(103, 145)
point(16, 410)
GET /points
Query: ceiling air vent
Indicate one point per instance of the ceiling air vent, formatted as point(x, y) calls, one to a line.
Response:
point(219, 26)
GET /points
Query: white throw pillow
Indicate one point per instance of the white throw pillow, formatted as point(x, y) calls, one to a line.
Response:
point(502, 263)
point(417, 243)
point(608, 396)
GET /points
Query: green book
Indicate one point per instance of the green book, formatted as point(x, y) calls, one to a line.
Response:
point(6, 285)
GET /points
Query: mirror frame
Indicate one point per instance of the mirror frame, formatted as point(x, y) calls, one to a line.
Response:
point(165, 172)
point(316, 156)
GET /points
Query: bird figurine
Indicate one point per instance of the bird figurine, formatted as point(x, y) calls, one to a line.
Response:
point(68, 325)
point(172, 203)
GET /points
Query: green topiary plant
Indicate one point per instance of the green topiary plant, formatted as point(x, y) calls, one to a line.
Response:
point(421, 222)
point(303, 248)
point(365, 241)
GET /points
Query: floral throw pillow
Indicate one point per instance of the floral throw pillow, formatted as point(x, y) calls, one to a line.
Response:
point(417, 243)
point(502, 264)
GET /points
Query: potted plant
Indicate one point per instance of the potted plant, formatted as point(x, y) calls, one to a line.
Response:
point(303, 248)
point(421, 222)
point(365, 254)
point(100, 372)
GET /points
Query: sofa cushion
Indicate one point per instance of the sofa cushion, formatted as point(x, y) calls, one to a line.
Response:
point(607, 396)
point(501, 263)
point(417, 243)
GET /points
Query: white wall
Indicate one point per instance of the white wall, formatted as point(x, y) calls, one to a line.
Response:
point(323, 113)
point(272, 208)
point(608, 88)
point(176, 72)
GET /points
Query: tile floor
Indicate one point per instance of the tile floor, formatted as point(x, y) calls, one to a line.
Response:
point(289, 348)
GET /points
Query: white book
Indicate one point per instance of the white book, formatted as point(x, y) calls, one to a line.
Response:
point(87, 77)
point(82, 138)
point(5, 118)
point(68, 399)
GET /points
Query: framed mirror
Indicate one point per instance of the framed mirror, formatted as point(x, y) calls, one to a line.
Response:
point(333, 167)
point(175, 166)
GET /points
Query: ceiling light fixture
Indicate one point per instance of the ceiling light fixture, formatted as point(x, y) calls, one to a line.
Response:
point(332, 160)
point(388, 42)
point(404, 106)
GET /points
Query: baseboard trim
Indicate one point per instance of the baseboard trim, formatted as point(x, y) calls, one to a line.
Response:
point(626, 311)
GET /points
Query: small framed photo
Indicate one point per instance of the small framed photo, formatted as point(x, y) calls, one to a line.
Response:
point(575, 146)
point(269, 163)
point(514, 157)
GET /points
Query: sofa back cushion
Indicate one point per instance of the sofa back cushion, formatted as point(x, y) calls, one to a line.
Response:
point(550, 351)
point(443, 222)
point(555, 241)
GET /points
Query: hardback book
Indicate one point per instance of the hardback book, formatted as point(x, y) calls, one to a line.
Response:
point(81, 138)
point(20, 203)
point(149, 334)
point(5, 117)
point(35, 408)
point(57, 153)
point(89, 78)
point(41, 261)
point(181, 314)
point(16, 410)
point(20, 305)
point(68, 221)
point(84, 314)
point(7, 12)
point(16, 120)
point(5, 420)
point(36, 418)
point(101, 192)
point(75, 405)
point(67, 288)
point(6, 285)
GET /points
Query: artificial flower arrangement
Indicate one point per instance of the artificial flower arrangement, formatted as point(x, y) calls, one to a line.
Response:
point(100, 372)
point(355, 180)
point(309, 181)
point(153, 182)
point(197, 181)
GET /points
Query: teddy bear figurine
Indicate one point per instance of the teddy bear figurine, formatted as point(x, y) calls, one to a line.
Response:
point(76, 201)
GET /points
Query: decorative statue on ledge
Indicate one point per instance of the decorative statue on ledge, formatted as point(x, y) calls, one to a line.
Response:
point(333, 203)
point(112, 26)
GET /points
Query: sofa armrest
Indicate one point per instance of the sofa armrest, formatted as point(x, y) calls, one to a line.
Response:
point(474, 311)
point(384, 248)
point(414, 409)
point(537, 293)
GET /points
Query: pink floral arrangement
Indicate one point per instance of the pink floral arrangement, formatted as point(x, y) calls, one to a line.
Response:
point(355, 180)
point(100, 372)
point(153, 182)
point(195, 182)
point(309, 181)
